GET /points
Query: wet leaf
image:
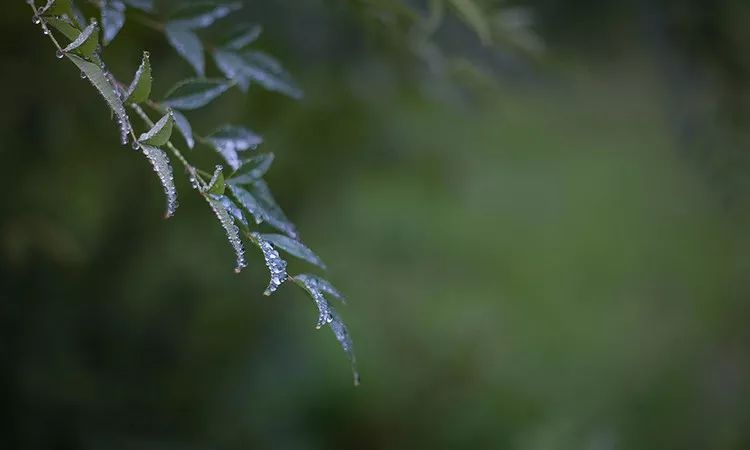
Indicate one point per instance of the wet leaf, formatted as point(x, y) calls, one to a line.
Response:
point(201, 15)
point(253, 168)
point(184, 127)
point(195, 93)
point(276, 265)
point(65, 26)
point(140, 88)
point(232, 231)
point(98, 79)
point(163, 169)
point(229, 140)
point(86, 42)
point(257, 199)
point(160, 133)
point(187, 45)
point(294, 248)
point(113, 18)
point(233, 67)
point(216, 185)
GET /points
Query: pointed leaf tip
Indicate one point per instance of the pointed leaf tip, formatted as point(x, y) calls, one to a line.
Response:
point(140, 89)
point(160, 133)
point(188, 45)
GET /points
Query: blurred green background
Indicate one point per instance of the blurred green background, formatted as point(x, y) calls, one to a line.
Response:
point(545, 241)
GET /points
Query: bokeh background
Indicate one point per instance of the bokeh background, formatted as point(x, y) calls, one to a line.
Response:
point(544, 239)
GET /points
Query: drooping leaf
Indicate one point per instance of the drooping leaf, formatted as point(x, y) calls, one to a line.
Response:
point(143, 5)
point(316, 287)
point(229, 140)
point(241, 37)
point(256, 198)
point(231, 207)
point(233, 67)
point(320, 284)
point(57, 8)
point(86, 42)
point(294, 248)
point(140, 88)
point(201, 15)
point(472, 15)
point(187, 45)
point(113, 18)
point(160, 133)
point(195, 93)
point(99, 80)
point(276, 265)
point(216, 184)
point(266, 71)
point(253, 168)
point(65, 26)
point(163, 169)
point(232, 231)
point(184, 127)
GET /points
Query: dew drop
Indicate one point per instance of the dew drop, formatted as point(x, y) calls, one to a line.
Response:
point(135, 145)
point(59, 54)
point(45, 30)
point(83, 75)
point(36, 20)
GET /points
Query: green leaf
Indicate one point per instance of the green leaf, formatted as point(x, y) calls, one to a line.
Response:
point(294, 248)
point(140, 88)
point(58, 8)
point(187, 45)
point(201, 15)
point(183, 125)
point(98, 79)
point(473, 17)
point(266, 71)
point(232, 231)
point(160, 133)
point(163, 169)
point(229, 140)
point(241, 37)
point(113, 18)
point(143, 5)
point(253, 168)
point(216, 185)
point(65, 26)
point(233, 67)
point(86, 42)
point(195, 93)
point(327, 315)
point(257, 199)
point(276, 265)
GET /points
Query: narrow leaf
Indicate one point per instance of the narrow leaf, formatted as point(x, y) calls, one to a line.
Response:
point(187, 45)
point(98, 79)
point(233, 67)
point(229, 140)
point(195, 93)
point(86, 42)
point(253, 168)
point(140, 88)
point(231, 207)
point(184, 127)
point(276, 265)
point(294, 248)
point(256, 198)
point(113, 18)
point(241, 37)
point(163, 169)
point(160, 133)
point(267, 72)
point(342, 335)
point(320, 284)
point(216, 185)
point(201, 15)
point(232, 231)
point(143, 5)
point(65, 26)
point(473, 17)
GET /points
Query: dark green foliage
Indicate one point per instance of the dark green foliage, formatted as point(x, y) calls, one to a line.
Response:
point(248, 194)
